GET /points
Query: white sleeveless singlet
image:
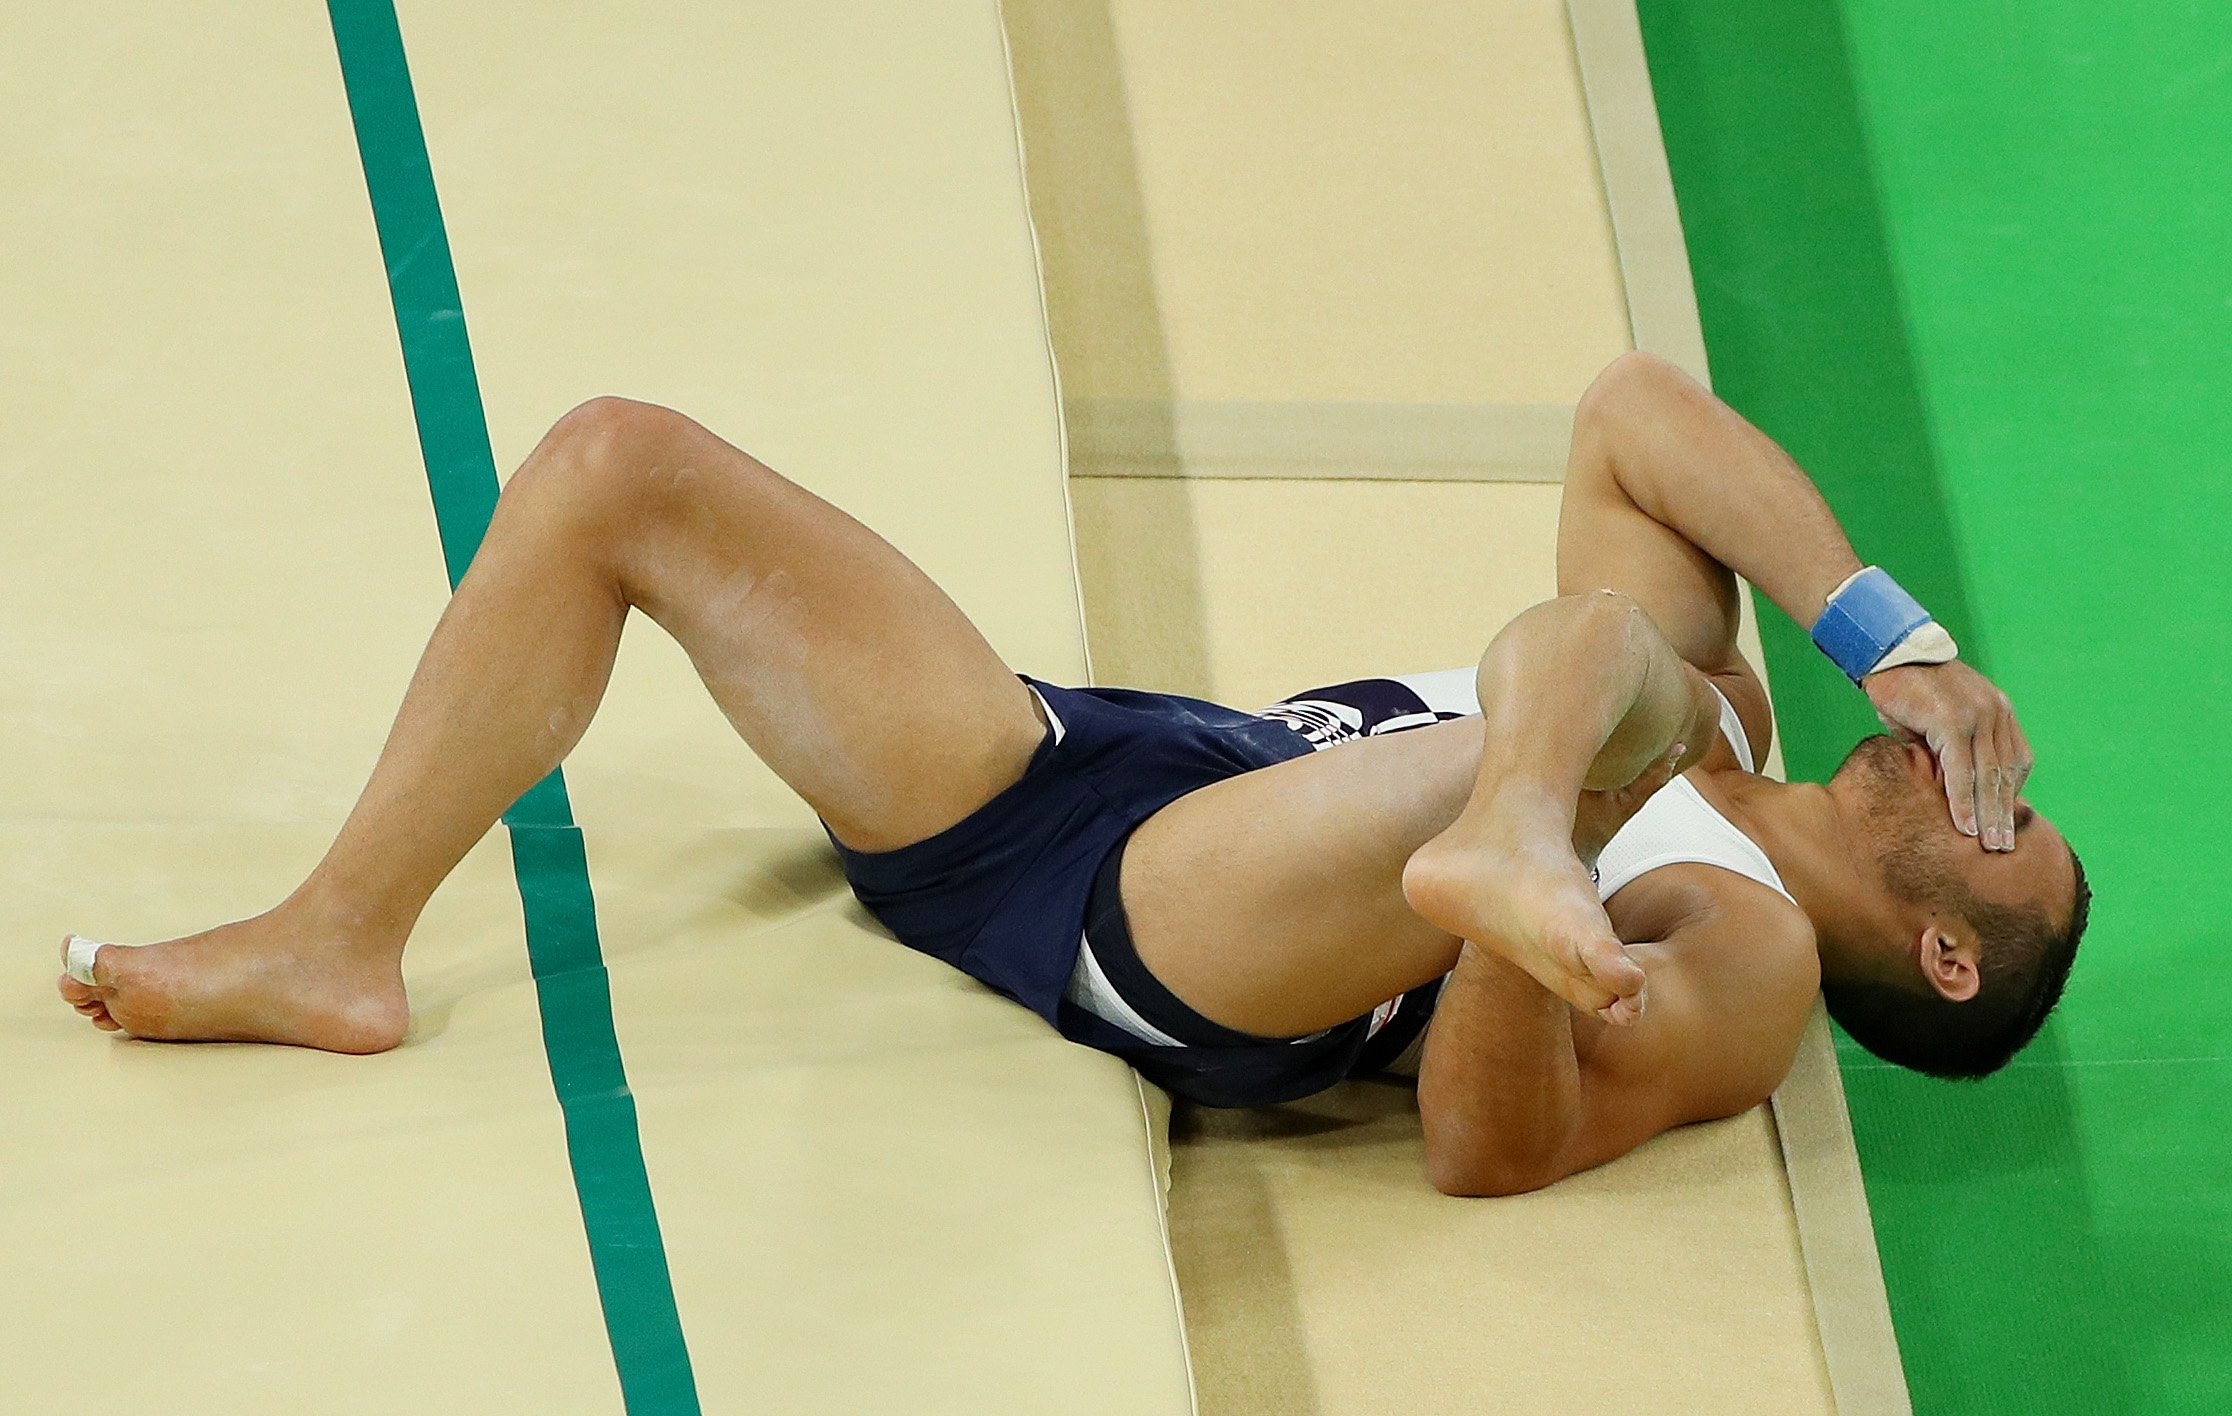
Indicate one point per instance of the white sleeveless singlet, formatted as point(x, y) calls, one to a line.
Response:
point(1677, 826)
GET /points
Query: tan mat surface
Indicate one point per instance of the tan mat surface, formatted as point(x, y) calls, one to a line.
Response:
point(219, 556)
point(880, 1187)
point(1630, 1288)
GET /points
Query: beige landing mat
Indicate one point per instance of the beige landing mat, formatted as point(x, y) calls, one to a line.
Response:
point(217, 551)
point(1627, 1289)
point(880, 1188)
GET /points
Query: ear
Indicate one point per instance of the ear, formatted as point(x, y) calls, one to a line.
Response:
point(1949, 964)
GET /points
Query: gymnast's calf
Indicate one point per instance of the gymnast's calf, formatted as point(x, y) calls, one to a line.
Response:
point(1554, 885)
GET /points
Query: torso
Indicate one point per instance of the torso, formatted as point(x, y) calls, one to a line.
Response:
point(1764, 973)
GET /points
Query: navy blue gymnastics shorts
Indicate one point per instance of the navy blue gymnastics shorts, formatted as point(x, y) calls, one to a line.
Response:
point(1004, 894)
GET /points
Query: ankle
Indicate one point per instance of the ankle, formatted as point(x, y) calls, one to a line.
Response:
point(318, 912)
point(1512, 806)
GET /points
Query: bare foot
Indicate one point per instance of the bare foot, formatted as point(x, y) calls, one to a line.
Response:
point(279, 977)
point(1511, 878)
point(1524, 894)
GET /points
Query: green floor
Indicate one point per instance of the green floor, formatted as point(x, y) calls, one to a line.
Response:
point(1972, 263)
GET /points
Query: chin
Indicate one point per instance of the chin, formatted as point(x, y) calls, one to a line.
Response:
point(1877, 764)
point(1897, 787)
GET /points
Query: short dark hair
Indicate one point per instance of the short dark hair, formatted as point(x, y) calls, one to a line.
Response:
point(2023, 963)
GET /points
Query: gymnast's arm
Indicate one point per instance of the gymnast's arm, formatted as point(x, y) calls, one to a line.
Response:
point(1518, 1089)
point(1670, 494)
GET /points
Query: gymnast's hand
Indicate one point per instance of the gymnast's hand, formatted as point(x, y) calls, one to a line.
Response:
point(1969, 725)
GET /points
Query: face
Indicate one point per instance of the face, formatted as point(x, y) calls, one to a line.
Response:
point(1926, 860)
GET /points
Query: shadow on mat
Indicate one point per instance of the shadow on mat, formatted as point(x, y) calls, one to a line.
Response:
point(1244, 1328)
point(1138, 556)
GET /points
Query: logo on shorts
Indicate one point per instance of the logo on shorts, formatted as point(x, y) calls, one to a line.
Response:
point(1323, 722)
point(1383, 1015)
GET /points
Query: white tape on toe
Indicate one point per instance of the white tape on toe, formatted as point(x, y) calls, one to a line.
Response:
point(80, 963)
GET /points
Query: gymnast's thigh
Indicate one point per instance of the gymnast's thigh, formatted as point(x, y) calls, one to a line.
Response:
point(1272, 902)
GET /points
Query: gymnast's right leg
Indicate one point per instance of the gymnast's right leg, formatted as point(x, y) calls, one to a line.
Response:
point(839, 662)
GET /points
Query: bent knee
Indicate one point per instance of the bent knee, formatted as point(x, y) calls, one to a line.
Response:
point(610, 429)
point(606, 458)
point(1602, 610)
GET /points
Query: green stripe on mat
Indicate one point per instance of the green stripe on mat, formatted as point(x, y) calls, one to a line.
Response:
point(548, 854)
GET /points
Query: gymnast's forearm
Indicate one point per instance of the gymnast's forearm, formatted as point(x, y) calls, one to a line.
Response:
point(1499, 1086)
point(1693, 464)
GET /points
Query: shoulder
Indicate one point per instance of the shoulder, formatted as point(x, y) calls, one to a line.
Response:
point(1711, 911)
point(1733, 974)
point(1722, 933)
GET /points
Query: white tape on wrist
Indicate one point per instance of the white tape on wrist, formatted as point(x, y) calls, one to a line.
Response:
point(80, 962)
point(1846, 583)
point(1928, 645)
point(1869, 624)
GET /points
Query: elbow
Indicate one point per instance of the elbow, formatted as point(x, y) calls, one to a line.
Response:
point(1634, 379)
point(1478, 1154)
point(1487, 1180)
point(1480, 1172)
point(1635, 394)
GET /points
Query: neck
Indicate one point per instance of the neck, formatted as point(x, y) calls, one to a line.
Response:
point(1805, 831)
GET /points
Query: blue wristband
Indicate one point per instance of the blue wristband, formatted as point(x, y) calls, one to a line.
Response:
point(1865, 621)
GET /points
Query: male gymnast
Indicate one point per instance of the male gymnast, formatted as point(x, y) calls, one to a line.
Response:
point(1611, 923)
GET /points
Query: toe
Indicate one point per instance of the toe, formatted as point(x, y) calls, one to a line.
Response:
point(1611, 968)
point(76, 966)
point(1628, 1006)
point(95, 1011)
point(1623, 1012)
point(1583, 987)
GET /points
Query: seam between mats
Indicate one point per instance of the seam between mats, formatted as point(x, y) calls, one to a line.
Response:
point(549, 857)
point(1046, 331)
point(1160, 1180)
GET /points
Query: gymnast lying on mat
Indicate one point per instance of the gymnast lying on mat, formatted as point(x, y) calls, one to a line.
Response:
point(1250, 907)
